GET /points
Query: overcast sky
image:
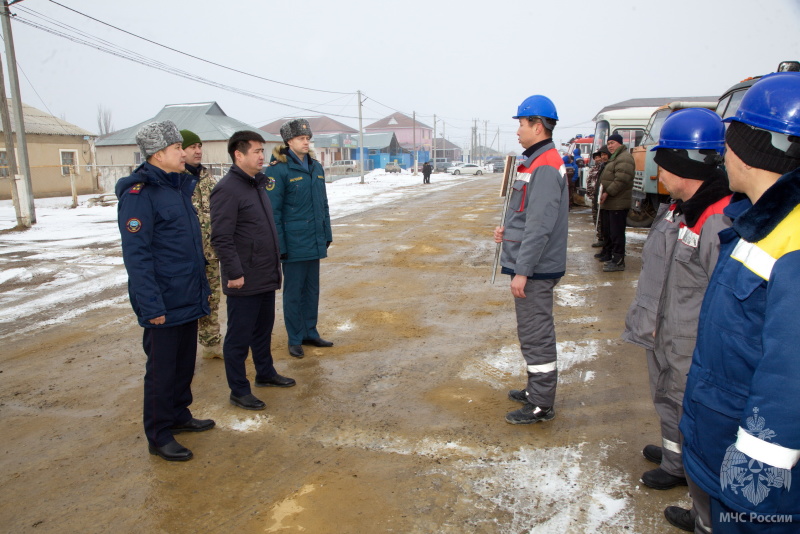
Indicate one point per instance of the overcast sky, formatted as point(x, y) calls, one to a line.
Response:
point(461, 60)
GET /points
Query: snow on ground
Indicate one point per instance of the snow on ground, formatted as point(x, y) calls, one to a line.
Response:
point(77, 255)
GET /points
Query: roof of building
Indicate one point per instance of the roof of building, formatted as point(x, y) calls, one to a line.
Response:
point(444, 144)
point(378, 140)
point(657, 101)
point(396, 121)
point(319, 124)
point(206, 119)
point(38, 122)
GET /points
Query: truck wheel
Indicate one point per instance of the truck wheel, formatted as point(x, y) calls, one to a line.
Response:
point(641, 219)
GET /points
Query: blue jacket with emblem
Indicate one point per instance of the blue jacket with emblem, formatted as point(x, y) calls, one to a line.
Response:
point(300, 207)
point(741, 422)
point(162, 247)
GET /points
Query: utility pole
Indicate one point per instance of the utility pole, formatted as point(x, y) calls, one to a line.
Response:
point(485, 140)
point(26, 192)
point(11, 157)
point(360, 139)
point(433, 145)
point(414, 140)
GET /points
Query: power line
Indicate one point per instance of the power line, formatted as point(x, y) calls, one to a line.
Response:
point(196, 57)
point(149, 62)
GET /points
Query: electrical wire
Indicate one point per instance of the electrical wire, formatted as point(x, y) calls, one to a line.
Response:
point(196, 57)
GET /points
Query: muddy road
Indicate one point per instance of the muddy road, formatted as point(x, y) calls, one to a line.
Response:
point(397, 428)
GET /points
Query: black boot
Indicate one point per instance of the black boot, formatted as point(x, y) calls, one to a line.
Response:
point(616, 263)
point(602, 256)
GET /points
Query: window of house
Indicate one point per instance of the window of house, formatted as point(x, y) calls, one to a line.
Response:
point(69, 158)
point(137, 158)
point(4, 172)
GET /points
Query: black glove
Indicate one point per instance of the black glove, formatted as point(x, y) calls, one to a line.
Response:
point(328, 244)
point(285, 256)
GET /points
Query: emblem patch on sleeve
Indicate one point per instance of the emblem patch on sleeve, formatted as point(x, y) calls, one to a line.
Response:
point(133, 225)
point(270, 183)
point(136, 189)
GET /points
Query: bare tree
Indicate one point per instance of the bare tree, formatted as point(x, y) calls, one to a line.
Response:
point(104, 122)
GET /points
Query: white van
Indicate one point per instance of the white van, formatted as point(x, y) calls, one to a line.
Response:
point(343, 166)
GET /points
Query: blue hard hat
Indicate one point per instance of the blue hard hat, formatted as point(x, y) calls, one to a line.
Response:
point(772, 103)
point(537, 106)
point(692, 129)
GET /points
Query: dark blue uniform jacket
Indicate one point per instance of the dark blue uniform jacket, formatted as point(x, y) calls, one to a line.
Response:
point(162, 247)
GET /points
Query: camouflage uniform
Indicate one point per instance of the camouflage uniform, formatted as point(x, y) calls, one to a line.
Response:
point(209, 325)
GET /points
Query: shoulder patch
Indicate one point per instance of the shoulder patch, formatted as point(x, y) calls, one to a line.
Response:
point(136, 189)
point(270, 183)
point(273, 162)
point(133, 225)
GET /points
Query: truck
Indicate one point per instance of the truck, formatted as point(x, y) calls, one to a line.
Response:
point(648, 192)
point(730, 99)
point(629, 122)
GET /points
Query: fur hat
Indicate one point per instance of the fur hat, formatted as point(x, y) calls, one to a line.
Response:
point(157, 136)
point(294, 128)
point(190, 138)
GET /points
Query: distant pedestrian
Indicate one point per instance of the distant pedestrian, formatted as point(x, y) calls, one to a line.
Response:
point(246, 242)
point(615, 201)
point(163, 255)
point(534, 254)
point(300, 204)
point(209, 332)
point(426, 172)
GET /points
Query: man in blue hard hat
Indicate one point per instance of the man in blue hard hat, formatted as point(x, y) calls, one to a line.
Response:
point(534, 254)
point(677, 261)
point(741, 420)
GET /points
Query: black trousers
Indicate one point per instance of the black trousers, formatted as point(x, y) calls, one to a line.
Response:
point(250, 322)
point(171, 354)
point(613, 223)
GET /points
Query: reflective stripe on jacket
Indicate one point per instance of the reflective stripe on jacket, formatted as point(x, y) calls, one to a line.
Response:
point(740, 423)
point(536, 222)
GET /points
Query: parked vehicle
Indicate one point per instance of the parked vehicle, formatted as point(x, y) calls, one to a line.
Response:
point(440, 164)
point(648, 192)
point(498, 166)
point(730, 99)
point(583, 144)
point(343, 166)
point(465, 168)
point(392, 166)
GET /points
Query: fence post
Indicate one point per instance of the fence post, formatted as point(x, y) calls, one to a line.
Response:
point(74, 186)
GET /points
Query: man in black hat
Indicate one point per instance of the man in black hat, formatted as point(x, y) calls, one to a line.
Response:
point(299, 198)
point(615, 201)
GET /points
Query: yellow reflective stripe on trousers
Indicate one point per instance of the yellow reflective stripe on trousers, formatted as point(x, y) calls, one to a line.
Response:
point(754, 258)
point(543, 368)
point(765, 452)
point(671, 445)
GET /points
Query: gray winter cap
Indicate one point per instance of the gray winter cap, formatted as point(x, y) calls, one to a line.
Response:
point(295, 127)
point(157, 136)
